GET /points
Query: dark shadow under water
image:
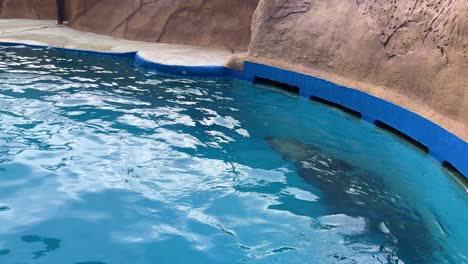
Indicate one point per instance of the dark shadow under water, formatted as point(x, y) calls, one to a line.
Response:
point(399, 230)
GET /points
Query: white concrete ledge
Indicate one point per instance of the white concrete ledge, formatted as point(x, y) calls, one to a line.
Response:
point(48, 33)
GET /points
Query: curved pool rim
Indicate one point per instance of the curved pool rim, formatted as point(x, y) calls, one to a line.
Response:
point(445, 147)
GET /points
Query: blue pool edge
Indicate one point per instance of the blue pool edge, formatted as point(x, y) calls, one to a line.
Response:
point(442, 145)
point(129, 54)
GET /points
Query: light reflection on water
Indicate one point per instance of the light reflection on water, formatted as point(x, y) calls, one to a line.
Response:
point(102, 162)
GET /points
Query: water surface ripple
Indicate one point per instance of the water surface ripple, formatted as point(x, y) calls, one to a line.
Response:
point(103, 162)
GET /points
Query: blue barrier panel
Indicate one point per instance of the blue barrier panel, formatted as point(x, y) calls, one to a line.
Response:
point(12, 44)
point(241, 75)
point(442, 145)
point(192, 71)
point(130, 54)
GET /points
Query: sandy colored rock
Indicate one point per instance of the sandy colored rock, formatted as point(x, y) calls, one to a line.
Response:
point(411, 52)
point(33, 9)
point(208, 23)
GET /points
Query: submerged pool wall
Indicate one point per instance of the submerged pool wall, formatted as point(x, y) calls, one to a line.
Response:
point(445, 147)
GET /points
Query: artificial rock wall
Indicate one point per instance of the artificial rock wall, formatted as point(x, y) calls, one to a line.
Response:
point(33, 9)
point(411, 52)
point(208, 23)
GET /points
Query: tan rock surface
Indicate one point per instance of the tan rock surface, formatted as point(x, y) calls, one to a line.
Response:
point(33, 9)
point(208, 23)
point(411, 52)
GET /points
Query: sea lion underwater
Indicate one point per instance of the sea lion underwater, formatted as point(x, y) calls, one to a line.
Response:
point(399, 230)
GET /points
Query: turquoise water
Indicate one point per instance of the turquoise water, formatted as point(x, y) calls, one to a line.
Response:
point(102, 162)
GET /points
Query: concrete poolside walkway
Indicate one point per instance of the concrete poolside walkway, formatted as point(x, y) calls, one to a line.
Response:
point(48, 33)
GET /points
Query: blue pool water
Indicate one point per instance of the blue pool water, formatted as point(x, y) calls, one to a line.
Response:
point(103, 162)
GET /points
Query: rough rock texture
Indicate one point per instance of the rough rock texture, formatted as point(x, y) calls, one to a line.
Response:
point(411, 52)
point(209, 23)
point(33, 9)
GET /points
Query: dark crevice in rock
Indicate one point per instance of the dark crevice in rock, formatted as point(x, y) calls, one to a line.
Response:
point(392, 34)
point(168, 20)
point(85, 10)
point(414, 6)
point(443, 52)
point(126, 20)
point(291, 7)
point(436, 19)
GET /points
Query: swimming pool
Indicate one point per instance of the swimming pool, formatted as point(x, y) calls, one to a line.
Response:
point(104, 162)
